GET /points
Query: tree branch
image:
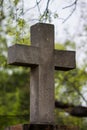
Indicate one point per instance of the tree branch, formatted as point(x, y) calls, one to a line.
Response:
point(38, 8)
point(47, 4)
point(37, 3)
point(46, 12)
point(74, 4)
point(80, 94)
point(78, 111)
point(62, 105)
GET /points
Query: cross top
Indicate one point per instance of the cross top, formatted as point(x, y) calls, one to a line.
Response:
point(43, 59)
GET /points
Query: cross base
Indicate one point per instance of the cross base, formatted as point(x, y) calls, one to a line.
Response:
point(42, 127)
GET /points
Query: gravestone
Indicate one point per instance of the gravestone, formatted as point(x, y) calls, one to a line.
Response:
point(43, 59)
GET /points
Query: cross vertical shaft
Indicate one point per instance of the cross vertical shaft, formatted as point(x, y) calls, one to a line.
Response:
point(42, 76)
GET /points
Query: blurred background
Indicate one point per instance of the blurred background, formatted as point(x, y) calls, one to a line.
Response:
point(70, 20)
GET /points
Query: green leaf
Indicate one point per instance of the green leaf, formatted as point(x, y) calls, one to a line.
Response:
point(16, 2)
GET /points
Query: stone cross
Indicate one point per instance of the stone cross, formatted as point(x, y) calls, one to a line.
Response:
point(42, 58)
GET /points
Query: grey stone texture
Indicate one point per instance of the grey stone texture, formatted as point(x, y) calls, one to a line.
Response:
point(43, 60)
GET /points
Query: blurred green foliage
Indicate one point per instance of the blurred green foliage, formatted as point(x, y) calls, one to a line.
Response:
point(14, 81)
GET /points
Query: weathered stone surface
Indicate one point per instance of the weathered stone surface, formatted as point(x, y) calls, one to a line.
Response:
point(64, 60)
point(42, 77)
point(23, 55)
point(42, 58)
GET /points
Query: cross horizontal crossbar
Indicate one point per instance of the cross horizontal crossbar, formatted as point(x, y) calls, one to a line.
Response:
point(29, 56)
point(23, 55)
point(64, 60)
